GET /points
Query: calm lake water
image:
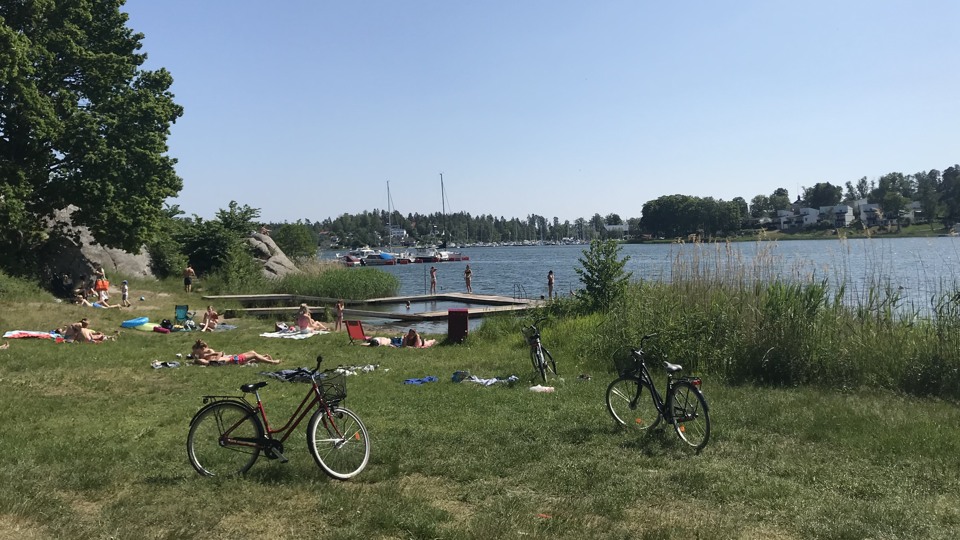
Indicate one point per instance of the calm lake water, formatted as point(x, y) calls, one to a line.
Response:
point(918, 268)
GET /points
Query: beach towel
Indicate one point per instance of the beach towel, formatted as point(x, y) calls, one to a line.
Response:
point(21, 334)
point(490, 382)
point(291, 375)
point(294, 334)
point(224, 327)
point(428, 378)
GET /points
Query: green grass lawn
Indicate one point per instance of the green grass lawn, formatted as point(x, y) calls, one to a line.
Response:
point(93, 446)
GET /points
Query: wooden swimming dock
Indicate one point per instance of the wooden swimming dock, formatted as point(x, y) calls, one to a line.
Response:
point(491, 304)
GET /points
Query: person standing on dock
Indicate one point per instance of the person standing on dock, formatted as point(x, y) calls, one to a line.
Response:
point(433, 280)
point(550, 285)
point(468, 277)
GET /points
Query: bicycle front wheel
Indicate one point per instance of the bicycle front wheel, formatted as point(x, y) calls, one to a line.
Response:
point(630, 402)
point(539, 364)
point(691, 417)
point(339, 442)
point(223, 439)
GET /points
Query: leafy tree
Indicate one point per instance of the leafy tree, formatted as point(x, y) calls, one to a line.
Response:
point(238, 219)
point(927, 184)
point(80, 123)
point(780, 200)
point(950, 194)
point(297, 241)
point(822, 194)
point(760, 206)
point(743, 209)
point(602, 274)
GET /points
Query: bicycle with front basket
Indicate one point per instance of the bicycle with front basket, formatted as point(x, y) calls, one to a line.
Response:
point(633, 400)
point(229, 433)
point(540, 357)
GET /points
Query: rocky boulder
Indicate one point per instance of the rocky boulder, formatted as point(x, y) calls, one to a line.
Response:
point(72, 253)
point(275, 262)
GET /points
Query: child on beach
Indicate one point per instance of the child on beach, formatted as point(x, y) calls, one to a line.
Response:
point(125, 294)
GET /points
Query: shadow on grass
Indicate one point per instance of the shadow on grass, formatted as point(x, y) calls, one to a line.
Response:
point(655, 443)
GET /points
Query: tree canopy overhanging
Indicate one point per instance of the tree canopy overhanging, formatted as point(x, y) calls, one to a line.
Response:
point(81, 123)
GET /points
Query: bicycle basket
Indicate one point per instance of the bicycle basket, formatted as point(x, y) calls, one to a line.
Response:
point(333, 385)
point(624, 361)
point(528, 333)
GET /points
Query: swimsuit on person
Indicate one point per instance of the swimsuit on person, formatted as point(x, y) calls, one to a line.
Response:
point(239, 359)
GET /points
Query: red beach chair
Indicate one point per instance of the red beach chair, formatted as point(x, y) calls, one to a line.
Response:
point(355, 331)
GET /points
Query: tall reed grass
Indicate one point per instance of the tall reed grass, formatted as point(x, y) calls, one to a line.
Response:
point(331, 280)
point(753, 321)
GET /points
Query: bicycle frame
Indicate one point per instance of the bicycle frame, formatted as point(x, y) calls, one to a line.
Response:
point(644, 375)
point(306, 406)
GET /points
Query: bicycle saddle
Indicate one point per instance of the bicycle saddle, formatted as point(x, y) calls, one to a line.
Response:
point(253, 387)
point(672, 368)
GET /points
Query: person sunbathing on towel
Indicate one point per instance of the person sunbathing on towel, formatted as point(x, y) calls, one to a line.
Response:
point(205, 356)
point(377, 341)
point(306, 322)
point(80, 332)
point(210, 320)
point(413, 339)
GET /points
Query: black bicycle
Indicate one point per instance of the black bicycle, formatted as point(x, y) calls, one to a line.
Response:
point(540, 357)
point(633, 400)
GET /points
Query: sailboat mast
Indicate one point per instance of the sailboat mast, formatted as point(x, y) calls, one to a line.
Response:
point(443, 214)
point(389, 219)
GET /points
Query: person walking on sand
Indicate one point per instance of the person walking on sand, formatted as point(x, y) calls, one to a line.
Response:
point(433, 280)
point(188, 277)
point(468, 278)
point(550, 284)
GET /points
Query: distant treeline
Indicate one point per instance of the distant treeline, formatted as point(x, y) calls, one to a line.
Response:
point(938, 194)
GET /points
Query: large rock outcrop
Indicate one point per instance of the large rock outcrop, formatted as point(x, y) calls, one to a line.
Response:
point(275, 262)
point(72, 252)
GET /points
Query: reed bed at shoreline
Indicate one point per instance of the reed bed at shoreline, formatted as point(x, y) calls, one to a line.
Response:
point(757, 321)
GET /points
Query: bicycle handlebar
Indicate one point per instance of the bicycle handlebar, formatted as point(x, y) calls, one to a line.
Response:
point(319, 359)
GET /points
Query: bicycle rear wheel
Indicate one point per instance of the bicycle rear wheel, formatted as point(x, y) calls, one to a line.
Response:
point(339, 442)
point(691, 417)
point(550, 363)
point(539, 363)
point(223, 438)
point(631, 403)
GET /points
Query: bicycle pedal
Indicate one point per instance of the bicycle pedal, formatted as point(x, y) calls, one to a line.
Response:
point(280, 457)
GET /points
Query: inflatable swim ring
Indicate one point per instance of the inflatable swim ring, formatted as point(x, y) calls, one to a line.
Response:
point(146, 327)
point(133, 323)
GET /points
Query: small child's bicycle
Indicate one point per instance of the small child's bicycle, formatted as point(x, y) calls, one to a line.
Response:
point(228, 434)
point(634, 402)
point(540, 357)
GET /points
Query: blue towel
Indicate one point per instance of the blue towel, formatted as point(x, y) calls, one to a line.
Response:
point(428, 378)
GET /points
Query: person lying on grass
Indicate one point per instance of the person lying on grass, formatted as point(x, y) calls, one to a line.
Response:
point(80, 332)
point(205, 356)
point(412, 339)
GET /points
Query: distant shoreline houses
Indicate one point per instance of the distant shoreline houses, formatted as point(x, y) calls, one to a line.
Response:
point(842, 215)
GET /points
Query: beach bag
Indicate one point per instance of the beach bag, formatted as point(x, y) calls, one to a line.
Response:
point(101, 285)
point(166, 324)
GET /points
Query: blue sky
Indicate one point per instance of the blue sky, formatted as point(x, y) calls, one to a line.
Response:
point(306, 109)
